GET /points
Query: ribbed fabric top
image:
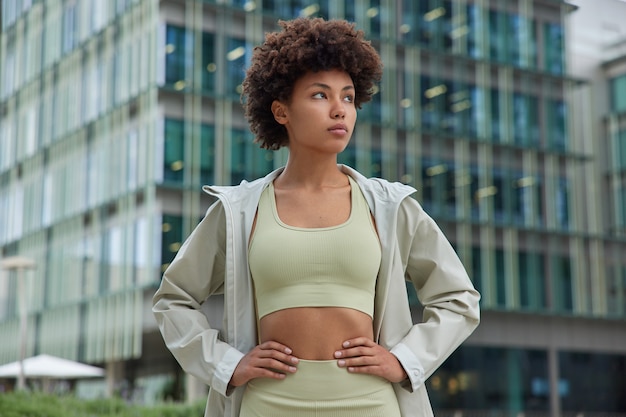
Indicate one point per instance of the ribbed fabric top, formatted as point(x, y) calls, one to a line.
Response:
point(314, 267)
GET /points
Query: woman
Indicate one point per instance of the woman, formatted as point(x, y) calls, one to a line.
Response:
point(312, 259)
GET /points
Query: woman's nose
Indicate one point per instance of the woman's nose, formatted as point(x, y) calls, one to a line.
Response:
point(338, 112)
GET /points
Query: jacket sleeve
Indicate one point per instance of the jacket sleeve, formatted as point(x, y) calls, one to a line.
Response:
point(450, 302)
point(197, 272)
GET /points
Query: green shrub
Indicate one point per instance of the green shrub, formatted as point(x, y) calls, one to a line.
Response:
point(42, 405)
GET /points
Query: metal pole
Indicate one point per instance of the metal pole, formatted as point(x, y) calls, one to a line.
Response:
point(553, 376)
point(21, 380)
point(20, 264)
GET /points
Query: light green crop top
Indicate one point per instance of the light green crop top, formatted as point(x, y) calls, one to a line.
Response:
point(314, 267)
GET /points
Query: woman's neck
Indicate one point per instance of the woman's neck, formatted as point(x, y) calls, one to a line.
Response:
point(311, 173)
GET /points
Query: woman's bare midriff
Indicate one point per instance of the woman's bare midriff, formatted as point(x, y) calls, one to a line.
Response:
point(315, 333)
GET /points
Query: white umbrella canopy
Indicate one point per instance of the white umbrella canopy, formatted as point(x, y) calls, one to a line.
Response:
point(52, 367)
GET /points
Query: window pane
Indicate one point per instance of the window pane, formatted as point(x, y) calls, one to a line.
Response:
point(531, 280)
point(475, 47)
point(236, 66)
point(69, 27)
point(616, 290)
point(457, 108)
point(412, 23)
point(554, 46)
point(178, 50)
point(562, 284)
point(208, 62)
point(434, 23)
point(377, 163)
point(523, 196)
point(171, 239)
point(481, 378)
point(207, 154)
point(478, 116)
point(525, 120)
point(497, 105)
point(173, 160)
point(497, 42)
point(562, 203)
point(618, 94)
point(557, 125)
point(249, 161)
point(499, 191)
point(522, 48)
point(374, 18)
point(592, 382)
point(621, 210)
point(620, 155)
point(433, 96)
point(501, 278)
point(476, 268)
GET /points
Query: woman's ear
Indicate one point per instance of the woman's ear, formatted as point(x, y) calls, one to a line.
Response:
point(279, 111)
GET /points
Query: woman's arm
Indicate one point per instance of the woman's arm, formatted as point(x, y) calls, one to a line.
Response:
point(197, 272)
point(450, 301)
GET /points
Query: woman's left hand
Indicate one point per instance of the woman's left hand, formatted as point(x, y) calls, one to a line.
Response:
point(362, 355)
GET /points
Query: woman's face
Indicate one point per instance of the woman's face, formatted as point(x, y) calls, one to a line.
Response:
point(321, 114)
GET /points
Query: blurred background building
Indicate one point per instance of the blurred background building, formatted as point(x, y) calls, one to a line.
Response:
point(508, 116)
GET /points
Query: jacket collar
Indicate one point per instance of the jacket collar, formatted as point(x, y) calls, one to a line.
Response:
point(376, 190)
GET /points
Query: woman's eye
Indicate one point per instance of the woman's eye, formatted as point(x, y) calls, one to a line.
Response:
point(319, 95)
point(349, 99)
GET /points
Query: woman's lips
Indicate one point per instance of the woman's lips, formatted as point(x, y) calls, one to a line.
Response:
point(339, 128)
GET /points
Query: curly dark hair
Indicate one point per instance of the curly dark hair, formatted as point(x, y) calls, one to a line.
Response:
point(304, 45)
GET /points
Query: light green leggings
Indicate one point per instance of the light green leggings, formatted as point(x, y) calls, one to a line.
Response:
point(320, 389)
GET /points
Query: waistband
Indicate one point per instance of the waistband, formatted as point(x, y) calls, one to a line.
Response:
point(321, 380)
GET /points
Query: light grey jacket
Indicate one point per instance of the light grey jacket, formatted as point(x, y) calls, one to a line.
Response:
point(214, 260)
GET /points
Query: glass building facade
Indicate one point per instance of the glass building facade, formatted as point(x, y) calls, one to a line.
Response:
point(114, 114)
point(616, 128)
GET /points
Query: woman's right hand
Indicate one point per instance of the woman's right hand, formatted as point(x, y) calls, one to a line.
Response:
point(268, 360)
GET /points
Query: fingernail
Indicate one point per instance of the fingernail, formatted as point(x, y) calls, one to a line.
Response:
point(292, 369)
point(337, 354)
point(346, 344)
point(341, 362)
point(288, 351)
point(295, 360)
point(350, 369)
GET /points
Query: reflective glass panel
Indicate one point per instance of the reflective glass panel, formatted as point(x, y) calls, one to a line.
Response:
point(618, 93)
point(178, 56)
point(491, 379)
point(592, 382)
point(171, 238)
point(554, 48)
point(174, 155)
point(562, 285)
point(248, 160)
